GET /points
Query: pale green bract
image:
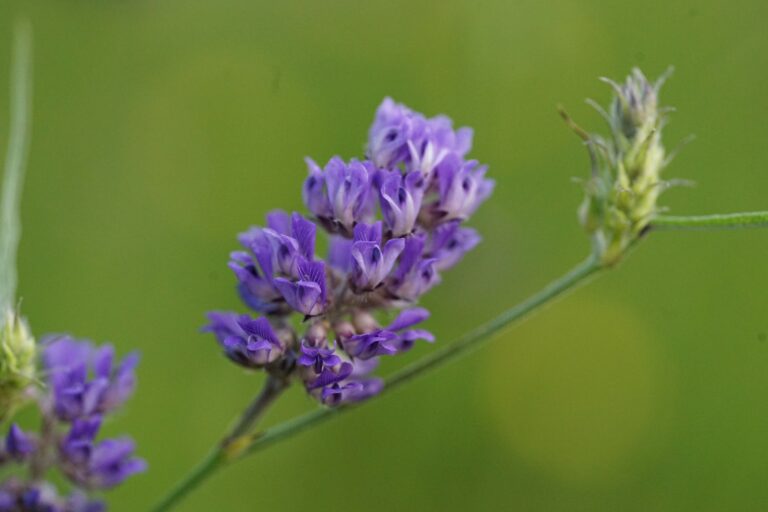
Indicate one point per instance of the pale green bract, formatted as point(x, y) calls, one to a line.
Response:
point(18, 355)
point(621, 194)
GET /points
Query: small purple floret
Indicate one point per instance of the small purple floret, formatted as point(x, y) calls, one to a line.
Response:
point(248, 342)
point(83, 378)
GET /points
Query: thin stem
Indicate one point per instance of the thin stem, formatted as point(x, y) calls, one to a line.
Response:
point(716, 221)
point(469, 341)
point(42, 457)
point(232, 444)
point(206, 468)
point(15, 161)
point(272, 389)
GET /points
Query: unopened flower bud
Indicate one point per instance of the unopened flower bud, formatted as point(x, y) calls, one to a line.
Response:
point(18, 354)
point(364, 322)
point(620, 198)
point(344, 330)
point(316, 335)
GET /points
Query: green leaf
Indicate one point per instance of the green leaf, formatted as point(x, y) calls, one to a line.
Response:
point(15, 162)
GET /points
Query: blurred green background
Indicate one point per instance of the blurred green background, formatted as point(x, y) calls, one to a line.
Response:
point(163, 128)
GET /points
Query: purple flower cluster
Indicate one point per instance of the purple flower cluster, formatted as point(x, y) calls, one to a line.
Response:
point(394, 221)
point(83, 384)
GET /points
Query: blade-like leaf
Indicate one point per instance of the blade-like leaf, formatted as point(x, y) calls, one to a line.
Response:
point(15, 161)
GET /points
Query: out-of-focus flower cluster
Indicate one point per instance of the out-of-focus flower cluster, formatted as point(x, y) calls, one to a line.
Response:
point(621, 195)
point(395, 222)
point(81, 385)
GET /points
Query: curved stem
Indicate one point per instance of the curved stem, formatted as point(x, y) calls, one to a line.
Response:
point(232, 445)
point(470, 341)
point(206, 468)
point(15, 161)
point(273, 388)
point(716, 221)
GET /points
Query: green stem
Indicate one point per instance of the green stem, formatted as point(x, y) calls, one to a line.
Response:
point(15, 162)
point(231, 446)
point(716, 221)
point(273, 388)
point(198, 475)
point(469, 341)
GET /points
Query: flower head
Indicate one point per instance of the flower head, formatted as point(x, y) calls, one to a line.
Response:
point(82, 384)
point(622, 192)
point(394, 220)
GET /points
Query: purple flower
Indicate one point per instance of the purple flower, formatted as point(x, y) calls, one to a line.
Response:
point(450, 242)
point(415, 275)
point(406, 336)
point(18, 445)
point(97, 465)
point(380, 342)
point(340, 195)
point(318, 358)
point(255, 286)
point(84, 380)
point(462, 187)
point(415, 174)
point(307, 294)
point(75, 449)
point(111, 462)
point(275, 249)
point(323, 366)
point(395, 338)
point(370, 262)
point(351, 391)
point(401, 136)
point(356, 387)
point(395, 128)
point(247, 342)
point(288, 245)
point(440, 140)
point(400, 197)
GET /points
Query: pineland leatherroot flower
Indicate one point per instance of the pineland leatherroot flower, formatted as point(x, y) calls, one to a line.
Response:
point(622, 192)
point(395, 221)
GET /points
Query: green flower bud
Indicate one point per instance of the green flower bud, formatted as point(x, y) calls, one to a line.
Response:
point(621, 195)
point(18, 356)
